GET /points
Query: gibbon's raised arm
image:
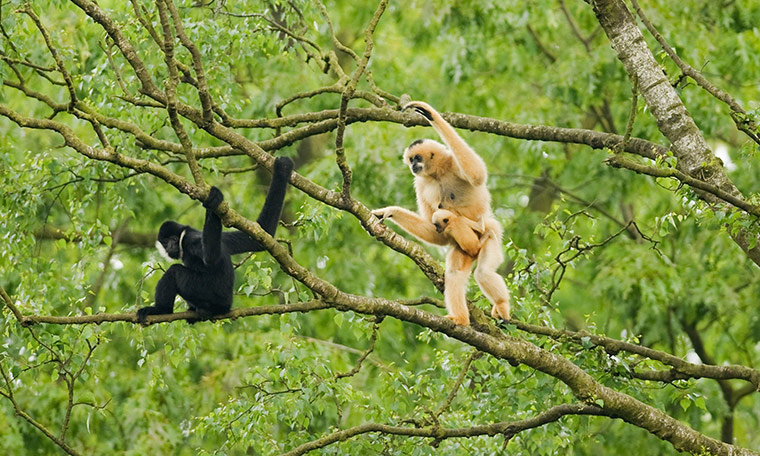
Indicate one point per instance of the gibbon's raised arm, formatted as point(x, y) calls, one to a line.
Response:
point(238, 242)
point(471, 166)
point(212, 228)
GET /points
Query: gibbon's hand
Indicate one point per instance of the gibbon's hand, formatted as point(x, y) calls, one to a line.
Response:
point(215, 198)
point(421, 108)
point(384, 213)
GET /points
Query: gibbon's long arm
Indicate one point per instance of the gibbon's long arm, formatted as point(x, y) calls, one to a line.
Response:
point(212, 229)
point(238, 242)
point(471, 167)
point(413, 224)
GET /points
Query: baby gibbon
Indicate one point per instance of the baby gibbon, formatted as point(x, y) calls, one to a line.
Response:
point(453, 178)
point(465, 232)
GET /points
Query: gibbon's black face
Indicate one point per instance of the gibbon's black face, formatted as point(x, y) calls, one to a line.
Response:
point(423, 156)
point(168, 240)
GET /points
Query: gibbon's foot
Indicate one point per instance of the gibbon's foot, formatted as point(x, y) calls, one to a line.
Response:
point(462, 320)
point(500, 311)
point(201, 315)
point(143, 313)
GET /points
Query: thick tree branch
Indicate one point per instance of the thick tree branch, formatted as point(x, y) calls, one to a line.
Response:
point(694, 157)
point(739, 115)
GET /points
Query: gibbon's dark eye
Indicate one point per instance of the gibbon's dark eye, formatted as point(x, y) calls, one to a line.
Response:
point(418, 157)
point(432, 155)
point(445, 220)
point(452, 196)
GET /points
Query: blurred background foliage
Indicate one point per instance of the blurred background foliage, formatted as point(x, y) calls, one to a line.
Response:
point(265, 384)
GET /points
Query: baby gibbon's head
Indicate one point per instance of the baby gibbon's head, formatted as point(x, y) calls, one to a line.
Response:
point(426, 157)
point(441, 219)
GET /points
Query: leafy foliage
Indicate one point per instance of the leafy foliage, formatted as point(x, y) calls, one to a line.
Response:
point(266, 384)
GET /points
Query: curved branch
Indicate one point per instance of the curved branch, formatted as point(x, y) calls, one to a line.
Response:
point(506, 428)
point(20, 412)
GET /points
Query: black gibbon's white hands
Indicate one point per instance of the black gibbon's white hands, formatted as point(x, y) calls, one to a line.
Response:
point(453, 177)
point(205, 278)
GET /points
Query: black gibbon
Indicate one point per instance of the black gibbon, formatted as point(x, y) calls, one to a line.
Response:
point(205, 278)
point(453, 178)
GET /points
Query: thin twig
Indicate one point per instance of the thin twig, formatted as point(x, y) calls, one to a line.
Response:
point(370, 349)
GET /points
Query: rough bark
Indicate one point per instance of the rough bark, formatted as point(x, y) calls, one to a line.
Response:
point(673, 119)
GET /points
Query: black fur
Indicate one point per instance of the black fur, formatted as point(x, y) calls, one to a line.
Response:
point(415, 142)
point(424, 113)
point(205, 278)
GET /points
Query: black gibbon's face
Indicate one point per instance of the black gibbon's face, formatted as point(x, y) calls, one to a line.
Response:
point(168, 240)
point(423, 156)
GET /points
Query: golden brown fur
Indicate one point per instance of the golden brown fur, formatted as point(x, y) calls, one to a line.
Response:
point(453, 178)
point(464, 232)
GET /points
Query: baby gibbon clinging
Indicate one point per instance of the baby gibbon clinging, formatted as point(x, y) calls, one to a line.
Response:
point(465, 232)
point(453, 178)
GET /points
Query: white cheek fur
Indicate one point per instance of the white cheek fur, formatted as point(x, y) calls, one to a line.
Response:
point(163, 251)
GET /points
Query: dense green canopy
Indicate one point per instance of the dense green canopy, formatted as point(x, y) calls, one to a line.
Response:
point(622, 147)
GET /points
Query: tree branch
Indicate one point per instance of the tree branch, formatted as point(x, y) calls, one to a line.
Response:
point(739, 115)
point(20, 412)
point(693, 155)
point(618, 161)
point(507, 428)
point(613, 346)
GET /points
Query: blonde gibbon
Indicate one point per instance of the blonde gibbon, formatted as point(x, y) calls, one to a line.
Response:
point(464, 232)
point(453, 178)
